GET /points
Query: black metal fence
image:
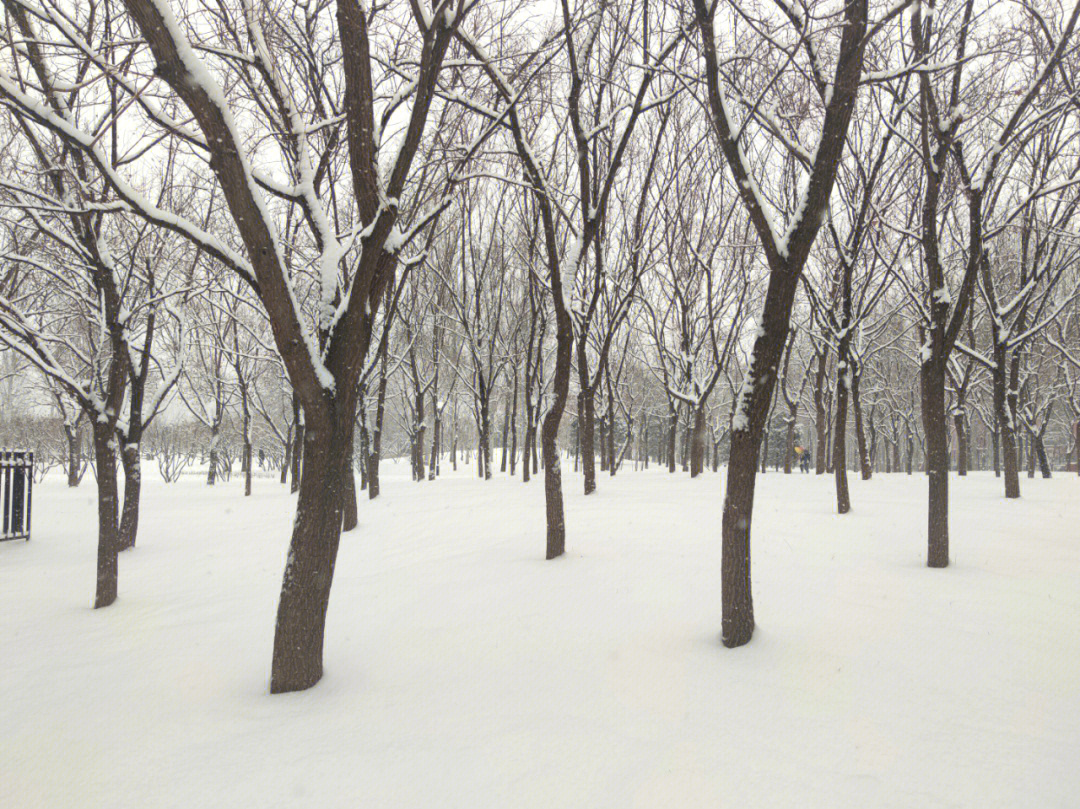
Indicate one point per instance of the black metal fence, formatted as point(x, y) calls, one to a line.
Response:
point(16, 484)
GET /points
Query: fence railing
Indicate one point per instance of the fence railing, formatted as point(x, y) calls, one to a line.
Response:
point(16, 485)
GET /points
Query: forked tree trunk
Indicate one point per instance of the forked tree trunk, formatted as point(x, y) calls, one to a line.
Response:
point(108, 527)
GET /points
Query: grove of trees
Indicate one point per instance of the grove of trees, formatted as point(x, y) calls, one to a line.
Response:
point(298, 238)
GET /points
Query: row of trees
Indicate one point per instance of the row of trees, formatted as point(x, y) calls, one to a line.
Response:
point(716, 223)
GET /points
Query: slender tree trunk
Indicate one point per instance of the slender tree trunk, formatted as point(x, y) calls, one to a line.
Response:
point(505, 439)
point(935, 426)
point(961, 443)
point(865, 470)
point(1040, 455)
point(1005, 426)
point(697, 442)
point(108, 525)
point(553, 498)
point(819, 412)
point(286, 459)
point(211, 474)
point(129, 515)
point(672, 427)
point(586, 427)
point(74, 456)
point(349, 512)
point(376, 438)
point(843, 499)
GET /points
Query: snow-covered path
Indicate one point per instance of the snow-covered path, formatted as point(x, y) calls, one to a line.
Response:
point(465, 671)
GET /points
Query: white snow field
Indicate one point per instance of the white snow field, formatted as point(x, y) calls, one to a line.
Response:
point(463, 670)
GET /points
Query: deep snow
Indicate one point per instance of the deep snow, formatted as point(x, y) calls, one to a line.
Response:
point(462, 670)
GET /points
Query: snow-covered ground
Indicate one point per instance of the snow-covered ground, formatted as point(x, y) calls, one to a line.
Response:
point(462, 670)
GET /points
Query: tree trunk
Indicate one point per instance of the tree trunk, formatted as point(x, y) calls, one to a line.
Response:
point(376, 438)
point(819, 412)
point(305, 592)
point(553, 498)
point(526, 465)
point(129, 516)
point(935, 426)
point(349, 512)
point(211, 474)
point(1005, 423)
point(286, 459)
point(961, 443)
point(843, 376)
point(697, 442)
point(108, 496)
point(1040, 455)
point(865, 470)
point(673, 426)
point(74, 458)
point(586, 432)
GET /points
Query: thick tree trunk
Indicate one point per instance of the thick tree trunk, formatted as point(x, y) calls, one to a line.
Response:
point(305, 593)
point(129, 516)
point(108, 527)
